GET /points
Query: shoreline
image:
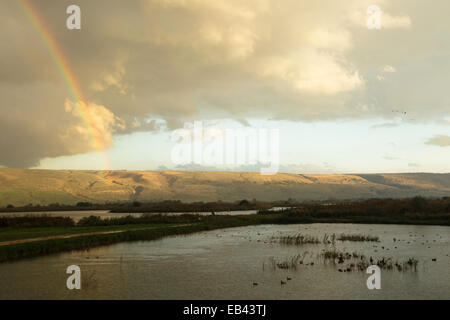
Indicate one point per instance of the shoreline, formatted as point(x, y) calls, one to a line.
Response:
point(40, 246)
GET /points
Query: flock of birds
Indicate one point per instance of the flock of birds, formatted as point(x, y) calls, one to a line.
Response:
point(281, 281)
point(395, 240)
point(402, 113)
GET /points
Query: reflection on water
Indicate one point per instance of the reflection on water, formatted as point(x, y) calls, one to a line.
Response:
point(225, 264)
point(78, 215)
point(75, 215)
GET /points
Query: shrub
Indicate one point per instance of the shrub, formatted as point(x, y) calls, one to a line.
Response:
point(34, 221)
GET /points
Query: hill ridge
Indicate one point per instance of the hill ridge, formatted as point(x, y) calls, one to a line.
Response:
point(40, 186)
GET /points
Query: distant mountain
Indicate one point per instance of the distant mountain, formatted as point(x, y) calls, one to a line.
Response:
point(24, 186)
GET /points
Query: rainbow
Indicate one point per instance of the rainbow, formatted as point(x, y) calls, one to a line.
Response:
point(68, 75)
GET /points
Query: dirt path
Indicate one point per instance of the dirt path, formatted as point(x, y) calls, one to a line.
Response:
point(75, 235)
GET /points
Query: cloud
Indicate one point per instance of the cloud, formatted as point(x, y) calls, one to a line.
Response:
point(197, 167)
point(385, 125)
point(308, 168)
point(387, 20)
point(290, 168)
point(388, 68)
point(414, 165)
point(92, 128)
point(439, 140)
point(321, 75)
point(185, 60)
point(111, 79)
point(63, 132)
point(243, 122)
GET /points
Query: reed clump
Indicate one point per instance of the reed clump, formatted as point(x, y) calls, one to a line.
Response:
point(301, 239)
point(289, 263)
point(297, 240)
point(358, 237)
point(356, 261)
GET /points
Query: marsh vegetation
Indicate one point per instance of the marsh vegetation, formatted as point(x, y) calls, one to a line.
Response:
point(417, 210)
point(358, 238)
point(236, 258)
point(302, 239)
point(342, 261)
point(150, 226)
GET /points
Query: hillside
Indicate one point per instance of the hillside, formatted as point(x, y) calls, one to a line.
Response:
point(24, 186)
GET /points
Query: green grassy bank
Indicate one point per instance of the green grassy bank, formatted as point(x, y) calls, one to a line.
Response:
point(416, 211)
point(156, 231)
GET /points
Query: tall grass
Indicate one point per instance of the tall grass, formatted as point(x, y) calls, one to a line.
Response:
point(356, 261)
point(358, 237)
point(35, 221)
point(289, 263)
point(301, 239)
point(188, 224)
point(416, 210)
point(92, 221)
point(297, 240)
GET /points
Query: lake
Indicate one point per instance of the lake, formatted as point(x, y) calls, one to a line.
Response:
point(78, 215)
point(225, 264)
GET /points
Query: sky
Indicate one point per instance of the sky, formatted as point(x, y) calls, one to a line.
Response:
point(336, 92)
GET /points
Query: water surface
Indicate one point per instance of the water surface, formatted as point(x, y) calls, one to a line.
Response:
point(78, 215)
point(225, 264)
